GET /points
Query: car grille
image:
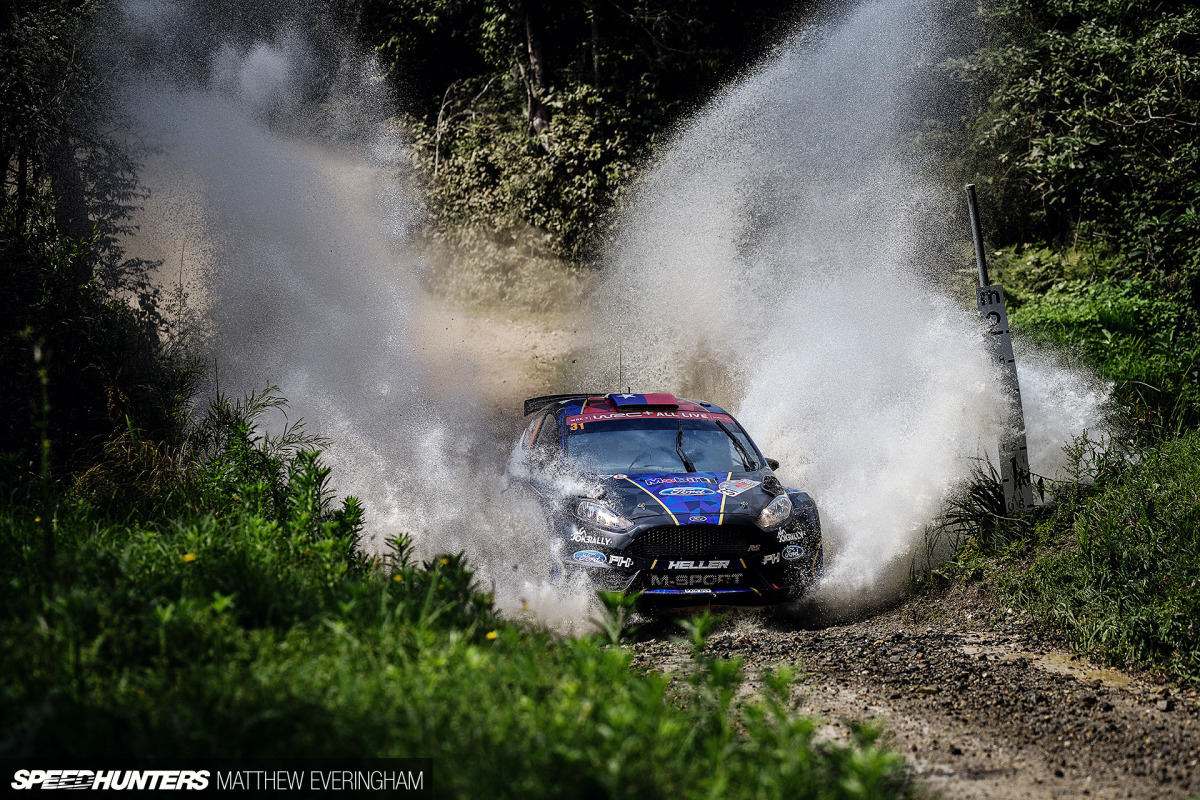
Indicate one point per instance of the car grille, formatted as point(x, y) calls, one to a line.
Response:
point(674, 541)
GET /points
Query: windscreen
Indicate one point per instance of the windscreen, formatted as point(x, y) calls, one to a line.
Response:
point(659, 445)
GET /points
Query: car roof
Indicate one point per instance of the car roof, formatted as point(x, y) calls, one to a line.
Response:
point(616, 405)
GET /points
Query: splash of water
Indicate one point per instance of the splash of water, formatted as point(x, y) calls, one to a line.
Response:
point(787, 255)
point(783, 256)
point(278, 189)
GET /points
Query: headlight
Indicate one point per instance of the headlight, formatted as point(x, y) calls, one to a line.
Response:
point(779, 510)
point(602, 515)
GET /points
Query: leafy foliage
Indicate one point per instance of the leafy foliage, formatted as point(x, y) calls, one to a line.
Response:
point(242, 621)
point(532, 115)
point(103, 363)
point(1142, 339)
point(1114, 566)
point(80, 319)
point(1087, 131)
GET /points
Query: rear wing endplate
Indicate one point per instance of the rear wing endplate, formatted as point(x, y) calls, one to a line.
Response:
point(534, 404)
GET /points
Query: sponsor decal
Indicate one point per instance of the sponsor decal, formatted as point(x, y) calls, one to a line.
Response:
point(697, 565)
point(590, 557)
point(591, 538)
point(686, 479)
point(792, 552)
point(771, 558)
point(616, 476)
point(620, 561)
point(754, 548)
point(734, 488)
point(697, 519)
point(683, 581)
point(686, 491)
point(137, 780)
point(697, 591)
point(790, 536)
point(705, 415)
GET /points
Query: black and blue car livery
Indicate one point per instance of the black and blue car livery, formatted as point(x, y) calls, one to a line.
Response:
point(665, 497)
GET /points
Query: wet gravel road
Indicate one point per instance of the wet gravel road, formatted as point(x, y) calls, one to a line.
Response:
point(977, 702)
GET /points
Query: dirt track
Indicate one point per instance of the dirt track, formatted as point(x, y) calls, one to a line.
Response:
point(980, 706)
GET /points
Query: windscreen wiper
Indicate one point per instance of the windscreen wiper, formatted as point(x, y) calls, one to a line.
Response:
point(749, 463)
point(679, 450)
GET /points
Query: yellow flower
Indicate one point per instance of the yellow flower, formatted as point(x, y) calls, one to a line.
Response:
point(397, 578)
point(492, 635)
point(189, 557)
point(444, 561)
point(37, 519)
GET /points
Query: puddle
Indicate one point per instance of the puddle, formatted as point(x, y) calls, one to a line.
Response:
point(1056, 662)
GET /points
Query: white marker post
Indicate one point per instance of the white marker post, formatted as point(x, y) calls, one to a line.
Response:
point(1014, 455)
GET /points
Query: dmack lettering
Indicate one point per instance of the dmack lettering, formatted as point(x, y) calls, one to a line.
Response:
point(683, 581)
point(697, 564)
point(790, 536)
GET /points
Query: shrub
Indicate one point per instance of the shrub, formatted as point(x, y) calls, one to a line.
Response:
point(1114, 565)
point(242, 621)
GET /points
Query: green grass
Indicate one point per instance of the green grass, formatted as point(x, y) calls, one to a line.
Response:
point(235, 618)
point(1123, 326)
point(1114, 566)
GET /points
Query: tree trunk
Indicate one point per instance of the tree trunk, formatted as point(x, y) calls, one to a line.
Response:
point(537, 112)
point(5, 161)
point(595, 45)
point(70, 206)
point(22, 181)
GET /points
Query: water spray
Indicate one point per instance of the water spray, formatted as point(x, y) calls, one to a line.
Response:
point(788, 256)
point(1014, 454)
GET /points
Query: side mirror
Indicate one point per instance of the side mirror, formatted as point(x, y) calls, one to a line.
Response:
point(772, 463)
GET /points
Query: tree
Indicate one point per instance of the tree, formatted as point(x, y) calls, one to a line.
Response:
point(531, 114)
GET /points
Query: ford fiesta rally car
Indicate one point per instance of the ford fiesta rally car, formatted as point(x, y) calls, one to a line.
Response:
point(665, 497)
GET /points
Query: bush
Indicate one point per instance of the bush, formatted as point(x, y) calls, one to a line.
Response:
point(101, 360)
point(1145, 341)
point(1086, 128)
point(1114, 566)
point(242, 621)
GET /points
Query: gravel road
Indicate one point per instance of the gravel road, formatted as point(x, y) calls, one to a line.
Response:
point(977, 702)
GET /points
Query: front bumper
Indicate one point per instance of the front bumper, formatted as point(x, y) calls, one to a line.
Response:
point(670, 565)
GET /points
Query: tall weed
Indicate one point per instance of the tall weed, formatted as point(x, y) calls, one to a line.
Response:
point(1113, 566)
point(240, 620)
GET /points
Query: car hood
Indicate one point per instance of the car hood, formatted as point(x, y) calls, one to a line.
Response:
point(690, 498)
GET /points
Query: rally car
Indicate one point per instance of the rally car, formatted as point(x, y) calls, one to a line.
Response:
point(665, 497)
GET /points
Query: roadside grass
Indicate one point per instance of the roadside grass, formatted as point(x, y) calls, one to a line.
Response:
point(1126, 327)
point(1112, 565)
point(229, 614)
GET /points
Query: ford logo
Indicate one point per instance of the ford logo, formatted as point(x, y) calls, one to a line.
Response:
point(790, 553)
point(686, 491)
point(590, 557)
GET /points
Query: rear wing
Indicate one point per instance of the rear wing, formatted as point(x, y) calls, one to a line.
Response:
point(535, 404)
